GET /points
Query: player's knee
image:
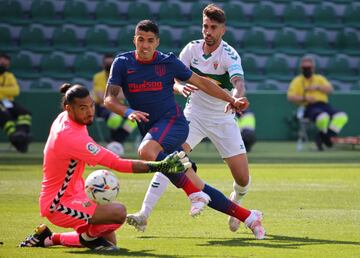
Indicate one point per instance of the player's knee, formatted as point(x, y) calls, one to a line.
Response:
point(118, 212)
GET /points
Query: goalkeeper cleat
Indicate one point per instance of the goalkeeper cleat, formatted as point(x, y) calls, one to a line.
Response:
point(254, 223)
point(234, 223)
point(37, 239)
point(98, 244)
point(199, 200)
point(137, 220)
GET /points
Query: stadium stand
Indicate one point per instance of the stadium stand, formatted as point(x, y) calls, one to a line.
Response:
point(270, 36)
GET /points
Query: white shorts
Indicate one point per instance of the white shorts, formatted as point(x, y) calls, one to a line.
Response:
point(224, 134)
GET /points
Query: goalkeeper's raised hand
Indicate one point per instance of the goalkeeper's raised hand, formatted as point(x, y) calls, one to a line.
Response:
point(175, 162)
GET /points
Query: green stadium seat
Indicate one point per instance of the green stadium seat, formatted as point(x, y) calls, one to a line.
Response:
point(65, 39)
point(347, 42)
point(76, 12)
point(138, 11)
point(294, 15)
point(255, 41)
point(124, 39)
point(98, 40)
point(278, 68)
point(351, 15)
point(268, 85)
point(251, 70)
point(44, 12)
point(11, 12)
point(188, 35)
point(6, 41)
point(170, 14)
point(235, 15)
point(23, 67)
point(285, 41)
point(264, 15)
point(339, 68)
point(107, 12)
point(54, 66)
point(230, 38)
point(355, 86)
point(195, 14)
point(33, 38)
point(86, 66)
point(317, 41)
point(167, 42)
point(41, 85)
point(325, 16)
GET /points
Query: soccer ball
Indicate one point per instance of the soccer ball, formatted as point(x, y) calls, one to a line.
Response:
point(116, 147)
point(102, 186)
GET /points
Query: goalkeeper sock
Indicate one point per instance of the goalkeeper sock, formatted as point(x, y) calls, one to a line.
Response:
point(156, 188)
point(220, 203)
point(70, 239)
point(180, 180)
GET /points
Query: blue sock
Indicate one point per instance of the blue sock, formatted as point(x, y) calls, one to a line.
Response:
point(218, 201)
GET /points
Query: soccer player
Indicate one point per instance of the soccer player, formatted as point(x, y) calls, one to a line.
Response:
point(63, 200)
point(311, 90)
point(214, 58)
point(146, 77)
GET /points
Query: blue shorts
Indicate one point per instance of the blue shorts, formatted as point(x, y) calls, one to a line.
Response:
point(170, 132)
point(313, 110)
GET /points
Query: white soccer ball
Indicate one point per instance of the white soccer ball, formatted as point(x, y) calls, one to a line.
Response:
point(102, 186)
point(116, 147)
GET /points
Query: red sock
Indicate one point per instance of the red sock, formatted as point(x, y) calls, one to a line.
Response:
point(55, 238)
point(189, 187)
point(238, 212)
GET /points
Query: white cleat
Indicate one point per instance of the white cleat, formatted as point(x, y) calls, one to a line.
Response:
point(137, 220)
point(199, 200)
point(254, 223)
point(234, 223)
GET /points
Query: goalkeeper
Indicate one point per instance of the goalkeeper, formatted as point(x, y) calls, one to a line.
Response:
point(62, 199)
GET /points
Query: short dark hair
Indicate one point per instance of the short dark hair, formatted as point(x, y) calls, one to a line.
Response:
point(148, 25)
point(108, 55)
point(70, 92)
point(214, 12)
point(6, 56)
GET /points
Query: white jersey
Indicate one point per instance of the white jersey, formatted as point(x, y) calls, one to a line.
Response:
point(220, 66)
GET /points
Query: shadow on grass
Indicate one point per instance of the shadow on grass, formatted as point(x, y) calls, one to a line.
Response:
point(121, 251)
point(271, 241)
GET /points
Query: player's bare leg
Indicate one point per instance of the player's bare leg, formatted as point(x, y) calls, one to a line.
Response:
point(238, 166)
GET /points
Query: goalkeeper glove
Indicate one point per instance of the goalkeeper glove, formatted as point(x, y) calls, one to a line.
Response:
point(175, 162)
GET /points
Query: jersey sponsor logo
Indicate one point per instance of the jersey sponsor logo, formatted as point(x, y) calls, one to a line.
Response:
point(160, 70)
point(145, 86)
point(130, 71)
point(92, 148)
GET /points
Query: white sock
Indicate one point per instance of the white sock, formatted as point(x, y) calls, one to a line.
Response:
point(156, 188)
point(241, 190)
point(48, 242)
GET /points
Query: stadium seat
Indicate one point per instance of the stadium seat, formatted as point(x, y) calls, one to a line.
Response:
point(317, 41)
point(325, 16)
point(86, 66)
point(97, 39)
point(33, 38)
point(76, 12)
point(235, 15)
point(278, 68)
point(124, 39)
point(251, 70)
point(255, 41)
point(138, 11)
point(54, 66)
point(107, 12)
point(355, 86)
point(264, 15)
point(188, 35)
point(11, 12)
point(285, 41)
point(167, 43)
point(170, 14)
point(339, 68)
point(347, 41)
point(268, 85)
point(41, 85)
point(351, 15)
point(23, 67)
point(294, 15)
point(65, 39)
point(6, 41)
point(195, 14)
point(44, 12)
point(230, 38)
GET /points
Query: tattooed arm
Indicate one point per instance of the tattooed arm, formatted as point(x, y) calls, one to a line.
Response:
point(111, 102)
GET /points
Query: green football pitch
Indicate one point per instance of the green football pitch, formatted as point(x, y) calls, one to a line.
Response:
point(310, 201)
